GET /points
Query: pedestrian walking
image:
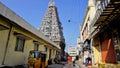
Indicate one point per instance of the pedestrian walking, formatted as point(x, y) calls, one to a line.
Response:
point(87, 61)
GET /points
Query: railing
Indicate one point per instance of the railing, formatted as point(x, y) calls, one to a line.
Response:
point(100, 6)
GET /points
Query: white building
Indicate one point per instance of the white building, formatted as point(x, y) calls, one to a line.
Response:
point(79, 46)
point(72, 51)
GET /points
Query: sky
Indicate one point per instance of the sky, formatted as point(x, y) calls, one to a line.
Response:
point(33, 12)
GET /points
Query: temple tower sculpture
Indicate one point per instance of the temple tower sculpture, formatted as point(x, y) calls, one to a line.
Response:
point(51, 26)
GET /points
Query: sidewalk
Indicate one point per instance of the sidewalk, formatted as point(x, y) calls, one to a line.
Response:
point(80, 64)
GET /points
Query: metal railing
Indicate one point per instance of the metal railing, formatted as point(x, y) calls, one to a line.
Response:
point(100, 6)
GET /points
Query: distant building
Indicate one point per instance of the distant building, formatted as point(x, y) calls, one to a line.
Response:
point(72, 51)
point(79, 46)
point(51, 26)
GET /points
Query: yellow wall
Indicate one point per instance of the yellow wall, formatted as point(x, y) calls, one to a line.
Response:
point(47, 57)
point(41, 48)
point(108, 65)
point(16, 57)
point(28, 46)
point(3, 40)
point(5, 23)
point(19, 57)
point(96, 55)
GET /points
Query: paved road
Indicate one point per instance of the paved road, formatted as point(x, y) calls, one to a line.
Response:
point(70, 65)
point(56, 66)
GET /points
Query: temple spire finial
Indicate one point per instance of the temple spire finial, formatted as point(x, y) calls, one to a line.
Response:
point(51, 3)
point(52, 0)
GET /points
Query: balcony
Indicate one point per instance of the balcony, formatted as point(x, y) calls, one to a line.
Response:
point(107, 11)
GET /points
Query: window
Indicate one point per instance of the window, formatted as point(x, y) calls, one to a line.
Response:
point(46, 49)
point(49, 53)
point(88, 19)
point(20, 44)
point(47, 35)
point(34, 54)
point(95, 2)
point(36, 46)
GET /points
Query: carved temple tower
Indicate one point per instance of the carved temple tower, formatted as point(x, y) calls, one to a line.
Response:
point(51, 26)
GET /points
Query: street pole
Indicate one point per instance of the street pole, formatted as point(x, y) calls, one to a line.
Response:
point(78, 45)
point(70, 21)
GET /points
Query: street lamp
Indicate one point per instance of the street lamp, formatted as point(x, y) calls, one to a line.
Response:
point(78, 41)
point(75, 23)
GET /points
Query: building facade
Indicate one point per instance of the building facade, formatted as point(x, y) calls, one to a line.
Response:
point(104, 34)
point(79, 47)
point(18, 38)
point(85, 31)
point(51, 26)
point(72, 51)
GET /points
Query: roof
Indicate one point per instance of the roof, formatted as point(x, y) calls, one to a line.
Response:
point(9, 14)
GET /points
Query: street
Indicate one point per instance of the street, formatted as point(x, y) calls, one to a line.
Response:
point(67, 65)
point(56, 66)
point(70, 65)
